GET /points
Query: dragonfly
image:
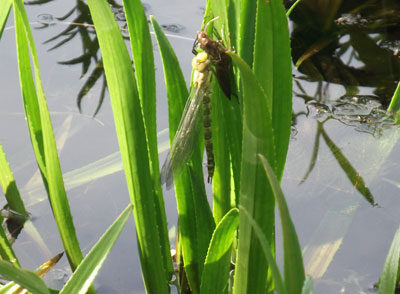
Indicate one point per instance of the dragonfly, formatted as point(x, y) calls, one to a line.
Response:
point(213, 54)
point(184, 140)
point(218, 55)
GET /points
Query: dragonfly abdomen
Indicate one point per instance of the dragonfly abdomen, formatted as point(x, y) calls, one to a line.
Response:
point(208, 135)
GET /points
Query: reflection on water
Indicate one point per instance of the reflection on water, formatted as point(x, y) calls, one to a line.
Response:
point(347, 68)
point(80, 26)
point(351, 43)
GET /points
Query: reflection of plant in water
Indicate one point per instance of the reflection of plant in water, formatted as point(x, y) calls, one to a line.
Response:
point(357, 49)
point(352, 174)
point(82, 26)
point(364, 112)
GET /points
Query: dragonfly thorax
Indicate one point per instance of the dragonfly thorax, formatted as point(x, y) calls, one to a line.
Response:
point(201, 65)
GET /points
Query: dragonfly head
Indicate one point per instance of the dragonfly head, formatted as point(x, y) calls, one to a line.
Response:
point(202, 39)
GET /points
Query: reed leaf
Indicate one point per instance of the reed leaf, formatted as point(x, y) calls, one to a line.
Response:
point(264, 45)
point(9, 186)
point(293, 261)
point(218, 261)
point(390, 272)
point(91, 264)
point(26, 279)
point(394, 105)
point(142, 52)
point(255, 193)
point(272, 66)
point(42, 135)
point(5, 8)
point(266, 248)
point(194, 214)
point(131, 135)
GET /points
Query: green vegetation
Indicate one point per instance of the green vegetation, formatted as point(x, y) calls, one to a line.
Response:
point(251, 137)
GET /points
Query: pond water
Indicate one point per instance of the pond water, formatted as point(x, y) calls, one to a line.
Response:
point(341, 178)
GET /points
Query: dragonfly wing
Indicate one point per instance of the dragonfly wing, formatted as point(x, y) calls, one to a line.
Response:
point(182, 145)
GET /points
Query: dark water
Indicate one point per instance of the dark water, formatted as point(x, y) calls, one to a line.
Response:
point(342, 169)
point(341, 173)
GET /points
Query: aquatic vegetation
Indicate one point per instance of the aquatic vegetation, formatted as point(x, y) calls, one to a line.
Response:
point(232, 247)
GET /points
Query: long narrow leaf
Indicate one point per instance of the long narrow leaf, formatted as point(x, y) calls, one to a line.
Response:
point(255, 193)
point(390, 272)
point(27, 279)
point(14, 288)
point(42, 135)
point(280, 286)
point(91, 264)
point(264, 45)
point(220, 140)
point(6, 251)
point(395, 103)
point(217, 265)
point(10, 190)
point(195, 218)
point(133, 144)
point(247, 27)
point(142, 52)
point(293, 261)
point(273, 67)
point(5, 7)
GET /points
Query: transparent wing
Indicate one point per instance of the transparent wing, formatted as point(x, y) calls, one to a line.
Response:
point(182, 145)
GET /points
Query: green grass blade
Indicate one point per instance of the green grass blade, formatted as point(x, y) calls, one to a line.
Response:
point(10, 190)
point(42, 135)
point(266, 248)
point(195, 218)
point(222, 173)
point(142, 52)
point(247, 27)
point(26, 279)
point(133, 144)
point(292, 7)
point(255, 193)
point(5, 8)
point(273, 68)
point(91, 264)
point(217, 265)
point(29, 95)
point(177, 92)
point(395, 103)
point(14, 288)
point(263, 44)
point(232, 119)
point(6, 251)
point(293, 261)
point(390, 272)
point(225, 26)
